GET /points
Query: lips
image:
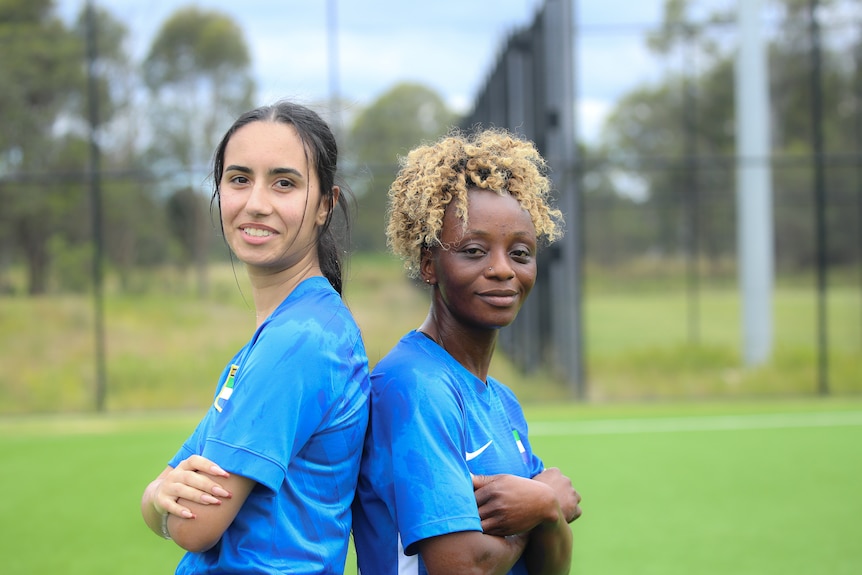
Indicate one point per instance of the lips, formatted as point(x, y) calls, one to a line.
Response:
point(500, 298)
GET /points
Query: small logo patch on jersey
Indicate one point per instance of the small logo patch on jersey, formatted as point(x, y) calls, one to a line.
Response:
point(227, 389)
point(470, 455)
point(520, 445)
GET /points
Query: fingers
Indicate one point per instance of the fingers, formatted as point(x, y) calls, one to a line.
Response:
point(194, 472)
point(191, 480)
point(200, 463)
point(479, 481)
point(576, 512)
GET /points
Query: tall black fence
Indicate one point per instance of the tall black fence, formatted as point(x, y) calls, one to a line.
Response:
point(531, 92)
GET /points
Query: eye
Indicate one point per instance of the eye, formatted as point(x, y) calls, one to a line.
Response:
point(238, 179)
point(521, 255)
point(284, 184)
point(473, 251)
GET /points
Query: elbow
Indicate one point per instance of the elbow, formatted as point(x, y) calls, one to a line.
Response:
point(189, 534)
point(197, 545)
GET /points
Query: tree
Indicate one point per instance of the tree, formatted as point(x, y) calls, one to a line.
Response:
point(41, 72)
point(649, 132)
point(134, 220)
point(402, 118)
point(197, 70)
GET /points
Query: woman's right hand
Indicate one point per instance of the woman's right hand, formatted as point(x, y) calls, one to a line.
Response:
point(185, 482)
point(567, 497)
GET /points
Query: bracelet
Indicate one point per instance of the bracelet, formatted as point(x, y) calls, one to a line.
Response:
point(165, 533)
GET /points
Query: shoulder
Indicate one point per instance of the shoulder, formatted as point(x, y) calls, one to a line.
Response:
point(314, 308)
point(411, 350)
point(415, 373)
point(414, 360)
point(508, 400)
point(503, 391)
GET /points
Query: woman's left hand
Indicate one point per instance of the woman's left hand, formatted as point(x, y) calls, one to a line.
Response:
point(509, 504)
point(186, 482)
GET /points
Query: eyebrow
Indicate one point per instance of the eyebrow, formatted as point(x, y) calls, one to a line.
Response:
point(484, 233)
point(281, 171)
point(272, 172)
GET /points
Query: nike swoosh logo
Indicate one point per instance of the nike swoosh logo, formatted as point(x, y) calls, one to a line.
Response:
point(470, 455)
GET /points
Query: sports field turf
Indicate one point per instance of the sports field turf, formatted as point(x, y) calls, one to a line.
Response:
point(734, 488)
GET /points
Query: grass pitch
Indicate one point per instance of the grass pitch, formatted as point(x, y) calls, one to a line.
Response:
point(706, 488)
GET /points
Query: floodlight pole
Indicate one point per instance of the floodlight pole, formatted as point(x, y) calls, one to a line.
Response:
point(96, 207)
point(754, 187)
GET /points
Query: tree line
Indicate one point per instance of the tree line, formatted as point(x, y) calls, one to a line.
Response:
point(663, 177)
point(660, 179)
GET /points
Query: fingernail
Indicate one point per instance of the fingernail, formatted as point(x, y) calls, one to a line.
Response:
point(187, 514)
point(220, 492)
point(207, 498)
point(216, 470)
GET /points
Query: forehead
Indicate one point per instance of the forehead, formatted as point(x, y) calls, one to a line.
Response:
point(488, 212)
point(266, 143)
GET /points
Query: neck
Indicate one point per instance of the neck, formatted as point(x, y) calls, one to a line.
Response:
point(270, 289)
point(472, 348)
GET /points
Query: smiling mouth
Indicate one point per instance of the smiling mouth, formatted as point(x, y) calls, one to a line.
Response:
point(256, 232)
point(500, 299)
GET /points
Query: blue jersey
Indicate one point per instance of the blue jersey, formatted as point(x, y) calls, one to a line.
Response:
point(290, 412)
point(433, 423)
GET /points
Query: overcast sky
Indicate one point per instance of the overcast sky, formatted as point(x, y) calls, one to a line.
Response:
point(447, 45)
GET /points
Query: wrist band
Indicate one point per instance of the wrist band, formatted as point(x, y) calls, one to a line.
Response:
point(165, 533)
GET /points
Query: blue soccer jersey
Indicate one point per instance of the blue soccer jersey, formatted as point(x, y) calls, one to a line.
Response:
point(290, 412)
point(433, 423)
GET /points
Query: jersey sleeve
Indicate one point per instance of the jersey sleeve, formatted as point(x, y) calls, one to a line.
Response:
point(282, 392)
point(420, 418)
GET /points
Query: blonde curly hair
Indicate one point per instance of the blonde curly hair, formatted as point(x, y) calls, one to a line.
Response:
point(433, 176)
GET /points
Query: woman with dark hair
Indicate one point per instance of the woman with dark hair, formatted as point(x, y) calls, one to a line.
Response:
point(290, 410)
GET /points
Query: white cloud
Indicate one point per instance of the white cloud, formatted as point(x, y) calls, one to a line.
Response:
point(591, 115)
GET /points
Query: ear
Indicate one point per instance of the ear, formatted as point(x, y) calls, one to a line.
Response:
point(427, 269)
point(326, 207)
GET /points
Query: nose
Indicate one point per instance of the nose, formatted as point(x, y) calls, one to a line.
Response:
point(258, 200)
point(500, 267)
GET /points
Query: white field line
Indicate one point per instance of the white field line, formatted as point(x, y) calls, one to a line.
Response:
point(698, 423)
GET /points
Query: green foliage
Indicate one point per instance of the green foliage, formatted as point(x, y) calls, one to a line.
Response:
point(41, 71)
point(404, 117)
point(187, 218)
point(72, 265)
point(675, 138)
point(195, 43)
point(198, 70)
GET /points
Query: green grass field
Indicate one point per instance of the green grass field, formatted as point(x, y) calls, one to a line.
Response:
point(767, 487)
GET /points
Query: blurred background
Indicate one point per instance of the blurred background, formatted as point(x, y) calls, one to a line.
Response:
point(706, 154)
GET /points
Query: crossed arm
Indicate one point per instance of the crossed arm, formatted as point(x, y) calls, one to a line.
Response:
point(519, 516)
point(197, 499)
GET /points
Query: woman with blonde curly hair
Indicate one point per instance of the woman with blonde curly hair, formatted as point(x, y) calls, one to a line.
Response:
point(448, 481)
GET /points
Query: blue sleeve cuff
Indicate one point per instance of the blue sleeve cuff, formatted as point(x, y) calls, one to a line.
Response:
point(242, 462)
